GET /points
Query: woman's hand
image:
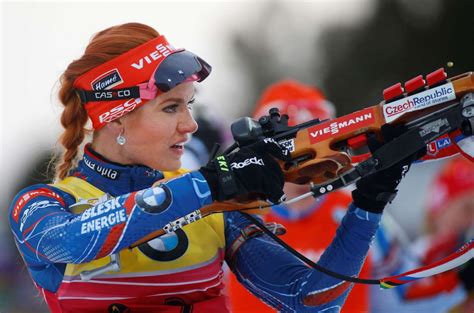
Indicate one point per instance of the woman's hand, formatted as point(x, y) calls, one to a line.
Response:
point(252, 172)
point(373, 192)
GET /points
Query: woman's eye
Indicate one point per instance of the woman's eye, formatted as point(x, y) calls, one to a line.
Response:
point(171, 108)
point(190, 104)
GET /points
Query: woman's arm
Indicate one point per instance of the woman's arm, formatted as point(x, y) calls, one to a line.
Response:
point(47, 232)
point(284, 282)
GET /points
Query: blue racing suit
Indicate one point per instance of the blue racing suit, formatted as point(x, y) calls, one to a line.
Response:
point(51, 237)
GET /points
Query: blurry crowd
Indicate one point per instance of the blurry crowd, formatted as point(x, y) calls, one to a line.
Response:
point(311, 224)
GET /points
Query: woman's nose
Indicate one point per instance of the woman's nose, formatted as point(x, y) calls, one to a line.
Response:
point(187, 124)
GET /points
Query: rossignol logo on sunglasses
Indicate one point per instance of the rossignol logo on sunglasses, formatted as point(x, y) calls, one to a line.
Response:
point(161, 51)
point(342, 125)
point(107, 80)
point(239, 165)
point(119, 110)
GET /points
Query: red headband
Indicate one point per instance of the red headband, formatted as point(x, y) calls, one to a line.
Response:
point(127, 70)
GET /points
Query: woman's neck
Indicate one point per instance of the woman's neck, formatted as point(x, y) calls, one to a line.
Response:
point(108, 148)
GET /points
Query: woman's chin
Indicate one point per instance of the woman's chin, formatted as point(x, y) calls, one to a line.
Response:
point(170, 166)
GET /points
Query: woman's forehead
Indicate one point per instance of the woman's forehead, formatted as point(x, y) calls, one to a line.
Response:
point(183, 92)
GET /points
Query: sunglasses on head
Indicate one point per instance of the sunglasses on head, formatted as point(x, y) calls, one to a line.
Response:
point(179, 67)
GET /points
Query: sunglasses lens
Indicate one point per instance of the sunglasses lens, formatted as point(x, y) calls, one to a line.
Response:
point(178, 68)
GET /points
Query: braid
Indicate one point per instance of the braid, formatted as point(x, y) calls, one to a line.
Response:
point(103, 47)
point(73, 119)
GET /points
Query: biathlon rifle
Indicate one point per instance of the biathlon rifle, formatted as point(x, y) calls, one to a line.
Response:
point(437, 112)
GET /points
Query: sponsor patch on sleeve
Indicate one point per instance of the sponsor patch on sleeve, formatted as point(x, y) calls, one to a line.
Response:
point(30, 195)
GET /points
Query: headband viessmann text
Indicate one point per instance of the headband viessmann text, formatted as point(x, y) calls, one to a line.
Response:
point(140, 74)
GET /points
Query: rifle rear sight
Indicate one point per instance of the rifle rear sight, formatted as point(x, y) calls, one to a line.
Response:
point(246, 130)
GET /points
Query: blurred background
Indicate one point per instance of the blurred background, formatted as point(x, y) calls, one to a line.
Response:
point(350, 49)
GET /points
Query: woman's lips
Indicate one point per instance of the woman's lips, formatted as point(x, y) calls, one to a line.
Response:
point(178, 149)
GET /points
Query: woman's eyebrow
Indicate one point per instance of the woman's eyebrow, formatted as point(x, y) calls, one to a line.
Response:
point(176, 99)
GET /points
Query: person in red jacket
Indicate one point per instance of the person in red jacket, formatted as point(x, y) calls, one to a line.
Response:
point(309, 218)
point(449, 219)
point(450, 223)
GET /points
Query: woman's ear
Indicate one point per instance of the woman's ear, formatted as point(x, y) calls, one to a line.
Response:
point(115, 128)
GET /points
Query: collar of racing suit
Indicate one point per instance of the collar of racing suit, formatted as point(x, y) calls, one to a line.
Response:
point(113, 178)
